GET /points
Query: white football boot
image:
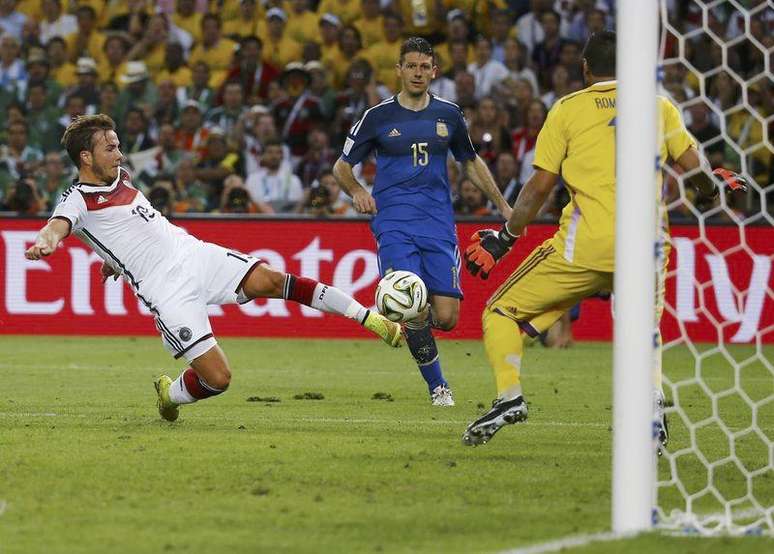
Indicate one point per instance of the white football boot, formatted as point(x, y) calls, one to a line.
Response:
point(442, 396)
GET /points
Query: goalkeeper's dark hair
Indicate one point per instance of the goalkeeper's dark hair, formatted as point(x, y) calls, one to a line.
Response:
point(599, 53)
point(416, 44)
point(79, 135)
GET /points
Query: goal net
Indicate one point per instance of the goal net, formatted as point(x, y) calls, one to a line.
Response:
point(716, 475)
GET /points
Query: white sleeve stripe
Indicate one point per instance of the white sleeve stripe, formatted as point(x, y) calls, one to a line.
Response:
point(356, 128)
point(447, 101)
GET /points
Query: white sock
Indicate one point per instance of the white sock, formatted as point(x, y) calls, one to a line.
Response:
point(511, 393)
point(178, 393)
point(335, 301)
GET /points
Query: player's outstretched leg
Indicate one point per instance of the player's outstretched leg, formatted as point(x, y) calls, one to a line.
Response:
point(186, 389)
point(167, 409)
point(329, 299)
point(266, 282)
point(420, 340)
point(209, 376)
point(504, 348)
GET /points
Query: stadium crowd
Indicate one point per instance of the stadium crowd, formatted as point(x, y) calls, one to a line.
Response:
point(233, 106)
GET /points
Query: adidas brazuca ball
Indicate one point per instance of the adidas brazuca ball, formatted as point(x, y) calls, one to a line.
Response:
point(401, 296)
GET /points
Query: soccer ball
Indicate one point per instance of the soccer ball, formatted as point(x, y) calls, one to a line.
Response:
point(401, 296)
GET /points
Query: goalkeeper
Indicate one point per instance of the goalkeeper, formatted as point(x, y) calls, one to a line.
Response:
point(578, 142)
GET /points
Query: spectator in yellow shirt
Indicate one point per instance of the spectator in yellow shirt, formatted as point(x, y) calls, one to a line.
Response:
point(278, 48)
point(88, 40)
point(174, 68)
point(216, 51)
point(62, 71)
point(370, 24)
point(151, 47)
point(113, 63)
point(457, 30)
point(331, 56)
point(346, 10)
point(382, 55)
point(422, 18)
point(187, 18)
point(248, 23)
point(302, 22)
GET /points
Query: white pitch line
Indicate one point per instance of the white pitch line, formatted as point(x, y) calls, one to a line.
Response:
point(358, 421)
point(3, 506)
point(433, 421)
point(573, 541)
point(30, 414)
point(337, 420)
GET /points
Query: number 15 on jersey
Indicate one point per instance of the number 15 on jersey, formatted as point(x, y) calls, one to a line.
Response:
point(419, 151)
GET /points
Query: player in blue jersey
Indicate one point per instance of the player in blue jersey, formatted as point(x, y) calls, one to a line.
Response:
point(412, 134)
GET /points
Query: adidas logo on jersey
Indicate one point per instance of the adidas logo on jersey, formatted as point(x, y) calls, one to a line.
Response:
point(393, 133)
point(101, 199)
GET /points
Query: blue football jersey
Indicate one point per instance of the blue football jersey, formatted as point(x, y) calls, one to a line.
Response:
point(412, 186)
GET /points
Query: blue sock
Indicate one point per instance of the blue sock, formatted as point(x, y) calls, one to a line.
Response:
point(423, 348)
point(432, 374)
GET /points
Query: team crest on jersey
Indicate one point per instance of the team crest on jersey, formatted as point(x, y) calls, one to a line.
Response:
point(185, 334)
point(440, 129)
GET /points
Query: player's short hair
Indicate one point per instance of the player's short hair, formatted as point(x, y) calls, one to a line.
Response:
point(416, 44)
point(599, 53)
point(79, 135)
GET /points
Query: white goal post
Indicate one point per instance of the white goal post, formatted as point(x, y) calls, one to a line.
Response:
point(637, 48)
point(716, 475)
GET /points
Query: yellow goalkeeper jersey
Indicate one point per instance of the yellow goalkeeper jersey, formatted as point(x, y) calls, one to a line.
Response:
point(577, 142)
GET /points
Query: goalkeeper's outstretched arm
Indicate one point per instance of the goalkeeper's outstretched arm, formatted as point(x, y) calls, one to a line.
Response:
point(489, 245)
point(530, 200)
point(48, 238)
point(700, 175)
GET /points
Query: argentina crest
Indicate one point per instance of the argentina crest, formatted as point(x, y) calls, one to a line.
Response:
point(441, 130)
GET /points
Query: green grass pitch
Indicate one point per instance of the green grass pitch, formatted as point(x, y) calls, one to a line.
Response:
point(87, 466)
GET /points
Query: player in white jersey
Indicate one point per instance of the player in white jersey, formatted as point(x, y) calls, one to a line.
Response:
point(174, 274)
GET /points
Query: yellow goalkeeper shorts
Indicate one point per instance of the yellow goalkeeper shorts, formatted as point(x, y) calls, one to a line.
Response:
point(543, 287)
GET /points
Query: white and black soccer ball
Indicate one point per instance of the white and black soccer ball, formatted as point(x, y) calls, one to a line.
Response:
point(401, 296)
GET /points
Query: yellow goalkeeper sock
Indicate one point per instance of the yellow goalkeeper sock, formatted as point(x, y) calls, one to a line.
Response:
point(504, 348)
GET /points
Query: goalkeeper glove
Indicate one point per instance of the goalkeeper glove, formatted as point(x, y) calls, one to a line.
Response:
point(487, 248)
point(733, 182)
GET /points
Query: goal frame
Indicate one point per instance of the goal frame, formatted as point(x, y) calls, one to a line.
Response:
point(633, 347)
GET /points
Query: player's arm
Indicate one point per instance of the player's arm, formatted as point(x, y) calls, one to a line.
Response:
point(48, 238)
point(478, 172)
point(362, 200)
point(681, 147)
point(531, 198)
point(691, 161)
point(489, 245)
point(550, 150)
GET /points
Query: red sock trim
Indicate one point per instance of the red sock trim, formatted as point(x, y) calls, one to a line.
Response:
point(301, 289)
point(196, 386)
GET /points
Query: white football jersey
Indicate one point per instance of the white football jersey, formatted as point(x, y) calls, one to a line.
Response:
point(122, 227)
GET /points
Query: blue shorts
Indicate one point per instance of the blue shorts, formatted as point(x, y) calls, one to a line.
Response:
point(436, 261)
